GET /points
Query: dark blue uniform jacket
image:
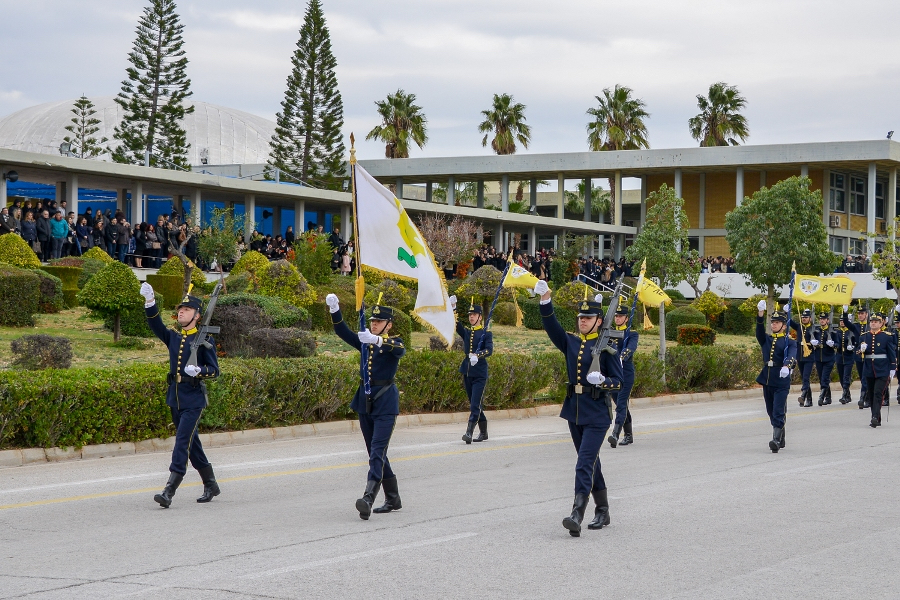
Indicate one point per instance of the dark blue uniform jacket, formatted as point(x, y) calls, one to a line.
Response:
point(781, 350)
point(471, 337)
point(627, 348)
point(880, 356)
point(806, 336)
point(823, 352)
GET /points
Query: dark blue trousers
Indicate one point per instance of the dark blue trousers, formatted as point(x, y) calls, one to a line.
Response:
point(845, 371)
point(876, 392)
point(805, 372)
point(187, 441)
point(776, 403)
point(588, 439)
point(824, 368)
point(377, 431)
point(475, 391)
point(864, 385)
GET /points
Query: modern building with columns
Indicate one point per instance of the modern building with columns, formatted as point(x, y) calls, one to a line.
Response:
point(858, 181)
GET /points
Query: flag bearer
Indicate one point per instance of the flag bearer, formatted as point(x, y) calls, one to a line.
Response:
point(478, 344)
point(627, 348)
point(779, 354)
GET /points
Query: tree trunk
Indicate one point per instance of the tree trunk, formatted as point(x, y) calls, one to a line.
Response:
point(612, 199)
point(188, 265)
point(117, 329)
point(222, 277)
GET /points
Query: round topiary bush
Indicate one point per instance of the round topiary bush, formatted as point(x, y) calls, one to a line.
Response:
point(283, 314)
point(696, 335)
point(505, 314)
point(237, 322)
point(16, 252)
point(167, 286)
point(111, 292)
point(252, 262)
point(52, 300)
point(683, 315)
point(174, 266)
point(281, 343)
point(91, 267)
point(20, 293)
point(674, 294)
point(392, 294)
point(282, 280)
point(96, 253)
point(571, 294)
point(33, 352)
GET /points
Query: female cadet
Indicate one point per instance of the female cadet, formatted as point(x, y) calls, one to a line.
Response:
point(847, 336)
point(778, 352)
point(588, 403)
point(627, 348)
point(378, 411)
point(805, 358)
point(479, 344)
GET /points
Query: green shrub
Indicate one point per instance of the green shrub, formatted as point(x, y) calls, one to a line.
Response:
point(736, 321)
point(236, 323)
point(114, 292)
point(683, 315)
point(20, 295)
point(710, 368)
point(238, 284)
point(532, 316)
point(68, 261)
point(282, 313)
point(696, 335)
point(282, 280)
point(16, 252)
point(392, 294)
point(34, 352)
point(252, 262)
point(132, 320)
point(91, 267)
point(96, 253)
point(174, 266)
point(559, 273)
point(711, 305)
point(70, 298)
point(169, 287)
point(282, 343)
point(51, 292)
point(312, 257)
point(68, 274)
point(572, 294)
point(505, 313)
point(674, 294)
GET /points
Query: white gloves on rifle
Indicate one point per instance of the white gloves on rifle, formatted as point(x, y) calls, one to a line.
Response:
point(595, 378)
point(863, 346)
point(814, 342)
point(333, 303)
point(541, 288)
point(849, 346)
point(367, 337)
point(192, 370)
point(149, 296)
point(761, 305)
point(473, 359)
point(830, 343)
point(453, 301)
point(784, 372)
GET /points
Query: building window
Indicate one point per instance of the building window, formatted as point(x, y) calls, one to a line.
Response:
point(879, 246)
point(836, 244)
point(857, 247)
point(838, 193)
point(694, 243)
point(857, 196)
point(879, 200)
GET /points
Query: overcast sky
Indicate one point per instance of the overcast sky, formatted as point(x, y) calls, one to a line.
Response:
point(817, 70)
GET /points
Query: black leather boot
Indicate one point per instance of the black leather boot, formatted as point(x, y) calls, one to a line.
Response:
point(629, 438)
point(845, 398)
point(573, 521)
point(601, 510)
point(613, 439)
point(822, 397)
point(391, 496)
point(875, 422)
point(827, 395)
point(210, 487)
point(898, 394)
point(165, 497)
point(364, 504)
point(808, 402)
point(802, 398)
point(775, 442)
point(467, 436)
point(781, 440)
point(482, 432)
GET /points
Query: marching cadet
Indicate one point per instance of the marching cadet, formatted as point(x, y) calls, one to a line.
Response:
point(823, 342)
point(862, 322)
point(847, 337)
point(779, 351)
point(879, 355)
point(186, 394)
point(627, 348)
point(378, 411)
point(805, 358)
point(474, 368)
point(587, 406)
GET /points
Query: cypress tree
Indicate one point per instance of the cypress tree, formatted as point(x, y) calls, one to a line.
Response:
point(307, 142)
point(83, 128)
point(153, 95)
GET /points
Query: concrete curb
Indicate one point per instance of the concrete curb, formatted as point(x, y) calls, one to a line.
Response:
point(28, 456)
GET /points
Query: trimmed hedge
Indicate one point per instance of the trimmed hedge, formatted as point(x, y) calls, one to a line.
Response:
point(69, 276)
point(42, 352)
point(531, 316)
point(504, 313)
point(20, 295)
point(51, 287)
point(696, 335)
point(174, 266)
point(282, 313)
point(167, 286)
point(683, 315)
point(735, 321)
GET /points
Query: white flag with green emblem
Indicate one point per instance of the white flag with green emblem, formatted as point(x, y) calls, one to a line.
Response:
point(391, 244)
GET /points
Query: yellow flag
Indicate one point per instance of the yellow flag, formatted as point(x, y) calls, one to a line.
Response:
point(648, 292)
point(824, 290)
point(519, 277)
point(648, 324)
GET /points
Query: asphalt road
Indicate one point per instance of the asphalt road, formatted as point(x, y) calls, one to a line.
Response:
point(700, 508)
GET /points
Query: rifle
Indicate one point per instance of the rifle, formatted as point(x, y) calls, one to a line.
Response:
point(205, 328)
point(608, 332)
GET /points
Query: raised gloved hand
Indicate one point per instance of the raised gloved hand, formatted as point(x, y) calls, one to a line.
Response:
point(863, 346)
point(473, 359)
point(894, 372)
point(595, 378)
point(830, 343)
point(897, 308)
point(453, 301)
point(149, 296)
point(784, 372)
point(814, 342)
point(598, 298)
point(784, 307)
point(541, 288)
point(761, 305)
point(192, 370)
point(850, 346)
point(845, 307)
point(333, 303)
point(367, 337)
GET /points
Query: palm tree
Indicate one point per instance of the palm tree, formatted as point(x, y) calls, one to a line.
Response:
point(719, 121)
point(618, 125)
point(401, 122)
point(507, 121)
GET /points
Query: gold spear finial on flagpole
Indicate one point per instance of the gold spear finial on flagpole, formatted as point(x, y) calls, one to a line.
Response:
point(352, 149)
point(360, 285)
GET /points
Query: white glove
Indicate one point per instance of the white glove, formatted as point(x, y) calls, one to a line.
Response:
point(830, 343)
point(453, 301)
point(192, 370)
point(897, 308)
point(892, 374)
point(333, 303)
point(761, 305)
point(473, 359)
point(849, 346)
point(598, 298)
point(147, 293)
point(541, 288)
point(595, 377)
point(367, 337)
point(814, 342)
point(784, 307)
point(784, 372)
point(845, 307)
point(863, 346)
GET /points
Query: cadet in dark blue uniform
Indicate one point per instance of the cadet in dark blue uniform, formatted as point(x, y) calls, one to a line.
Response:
point(186, 396)
point(823, 344)
point(474, 368)
point(627, 347)
point(779, 354)
point(862, 322)
point(847, 338)
point(587, 406)
point(879, 354)
point(804, 357)
point(378, 413)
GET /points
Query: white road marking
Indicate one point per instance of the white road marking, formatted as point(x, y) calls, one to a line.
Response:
point(745, 413)
point(813, 467)
point(367, 554)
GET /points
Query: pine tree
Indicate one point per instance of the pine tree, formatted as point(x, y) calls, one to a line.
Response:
point(153, 95)
point(83, 128)
point(307, 142)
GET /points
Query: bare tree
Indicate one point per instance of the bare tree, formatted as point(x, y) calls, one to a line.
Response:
point(452, 240)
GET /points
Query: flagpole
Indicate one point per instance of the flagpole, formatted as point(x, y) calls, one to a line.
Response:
point(496, 297)
point(360, 282)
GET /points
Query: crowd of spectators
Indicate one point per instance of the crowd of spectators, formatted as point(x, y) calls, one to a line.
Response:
point(855, 264)
point(718, 264)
